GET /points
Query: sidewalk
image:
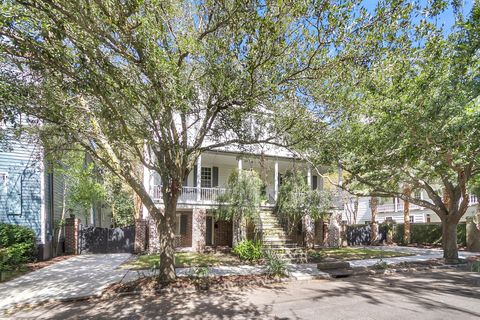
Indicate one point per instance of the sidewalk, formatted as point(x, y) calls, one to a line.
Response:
point(77, 277)
point(420, 255)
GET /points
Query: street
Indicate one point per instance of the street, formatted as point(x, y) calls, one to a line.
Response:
point(437, 294)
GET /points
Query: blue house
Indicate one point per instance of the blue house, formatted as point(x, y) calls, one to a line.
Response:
point(27, 190)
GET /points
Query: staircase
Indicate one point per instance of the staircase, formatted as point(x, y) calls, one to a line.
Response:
point(276, 239)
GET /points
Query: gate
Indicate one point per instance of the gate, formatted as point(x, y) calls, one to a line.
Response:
point(106, 240)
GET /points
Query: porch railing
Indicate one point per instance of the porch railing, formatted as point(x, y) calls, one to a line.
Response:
point(190, 194)
point(390, 207)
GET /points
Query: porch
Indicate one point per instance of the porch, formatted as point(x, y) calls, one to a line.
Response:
point(209, 178)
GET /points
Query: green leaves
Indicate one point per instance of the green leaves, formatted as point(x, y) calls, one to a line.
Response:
point(242, 198)
point(295, 199)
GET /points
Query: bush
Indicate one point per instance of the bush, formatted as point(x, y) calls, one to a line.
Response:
point(428, 233)
point(17, 246)
point(249, 250)
point(275, 266)
point(13, 234)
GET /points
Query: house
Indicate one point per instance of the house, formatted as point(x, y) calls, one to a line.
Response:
point(195, 223)
point(391, 209)
point(27, 190)
point(32, 194)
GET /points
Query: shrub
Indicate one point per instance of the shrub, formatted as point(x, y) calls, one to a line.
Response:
point(248, 250)
point(275, 266)
point(17, 246)
point(14, 256)
point(428, 233)
point(12, 234)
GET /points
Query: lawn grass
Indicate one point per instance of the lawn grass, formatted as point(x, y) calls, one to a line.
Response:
point(318, 255)
point(184, 259)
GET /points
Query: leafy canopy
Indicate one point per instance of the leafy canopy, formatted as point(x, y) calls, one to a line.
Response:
point(242, 198)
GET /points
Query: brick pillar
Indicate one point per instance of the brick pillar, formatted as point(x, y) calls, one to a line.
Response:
point(309, 231)
point(72, 225)
point(140, 236)
point(343, 234)
point(153, 237)
point(199, 229)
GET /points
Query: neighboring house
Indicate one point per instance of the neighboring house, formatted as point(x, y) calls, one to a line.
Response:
point(392, 209)
point(32, 194)
point(196, 225)
point(27, 191)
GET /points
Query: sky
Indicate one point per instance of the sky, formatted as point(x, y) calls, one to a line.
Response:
point(447, 18)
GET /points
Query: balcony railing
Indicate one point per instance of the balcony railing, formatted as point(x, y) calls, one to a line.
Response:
point(390, 207)
point(190, 194)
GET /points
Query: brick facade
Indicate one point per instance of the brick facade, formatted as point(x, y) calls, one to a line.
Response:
point(71, 235)
point(140, 244)
point(199, 229)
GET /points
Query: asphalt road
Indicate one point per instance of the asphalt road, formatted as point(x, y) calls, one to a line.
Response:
point(425, 295)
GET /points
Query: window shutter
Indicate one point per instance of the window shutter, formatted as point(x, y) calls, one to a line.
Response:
point(183, 224)
point(314, 183)
point(214, 177)
point(185, 181)
point(195, 176)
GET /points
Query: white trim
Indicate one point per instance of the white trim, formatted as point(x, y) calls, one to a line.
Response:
point(43, 222)
point(309, 178)
point(199, 177)
point(276, 181)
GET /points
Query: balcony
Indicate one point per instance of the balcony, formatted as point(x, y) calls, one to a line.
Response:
point(391, 207)
point(192, 195)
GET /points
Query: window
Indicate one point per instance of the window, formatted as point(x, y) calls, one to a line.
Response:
point(206, 177)
point(412, 219)
point(418, 194)
point(181, 224)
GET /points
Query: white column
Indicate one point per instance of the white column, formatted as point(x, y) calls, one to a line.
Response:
point(199, 177)
point(276, 180)
point(396, 204)
point(309, 178)
point(240, 164)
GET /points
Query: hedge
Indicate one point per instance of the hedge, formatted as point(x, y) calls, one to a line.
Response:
point(428, 233)
point(17, 246)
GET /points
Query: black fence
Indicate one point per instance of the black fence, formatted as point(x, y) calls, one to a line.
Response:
point(106, 240)
point(360, 234)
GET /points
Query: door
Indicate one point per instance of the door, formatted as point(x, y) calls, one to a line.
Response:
point(209, 233)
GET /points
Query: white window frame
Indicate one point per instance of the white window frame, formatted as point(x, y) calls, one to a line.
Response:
point(411, 219)
point(204, 178)
point(178, 221)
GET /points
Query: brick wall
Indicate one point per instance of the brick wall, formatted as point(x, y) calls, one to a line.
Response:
point(223, 233)
point(71, 235)
point(140, 235)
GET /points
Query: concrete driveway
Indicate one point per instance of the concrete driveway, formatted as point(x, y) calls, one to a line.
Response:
point(426, 295)
point(79, 276)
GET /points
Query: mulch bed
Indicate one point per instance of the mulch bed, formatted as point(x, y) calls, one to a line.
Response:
point(150, 285)
point(32, 266)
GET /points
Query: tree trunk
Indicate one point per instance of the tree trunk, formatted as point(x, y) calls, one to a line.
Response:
point(406, 215)
point(166, 237)
point(449, 240)
point(374, 226)
point(239, 230)
point(166, 231)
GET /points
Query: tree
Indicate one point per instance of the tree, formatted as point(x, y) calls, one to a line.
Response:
point(241, 201)
point(160, 82)
point(296, 200)
point(411, 116)
point(406, 214)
